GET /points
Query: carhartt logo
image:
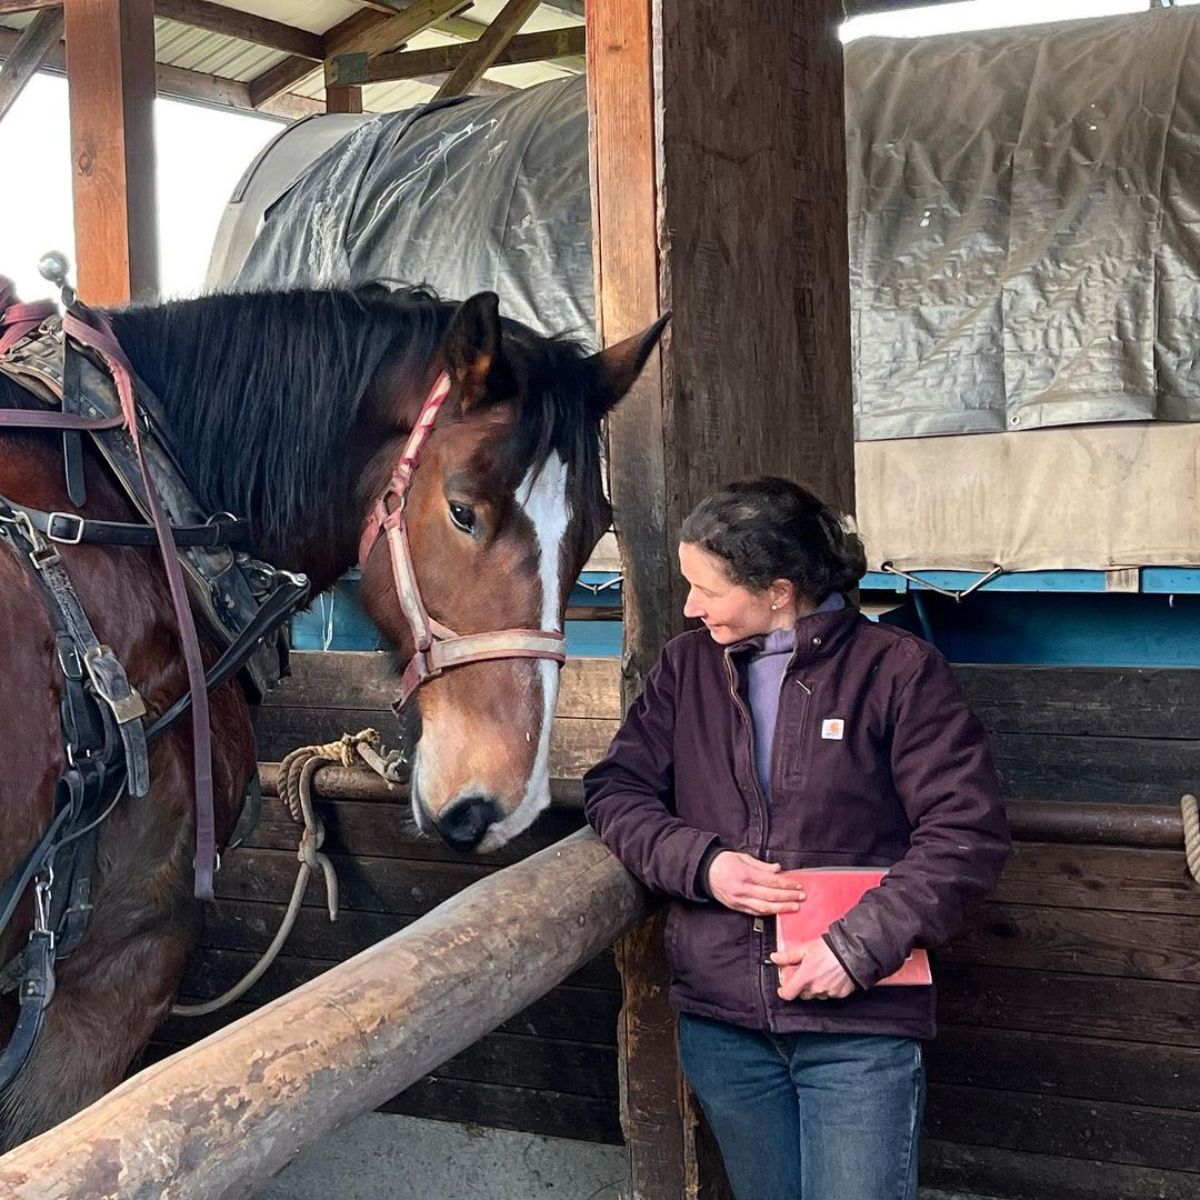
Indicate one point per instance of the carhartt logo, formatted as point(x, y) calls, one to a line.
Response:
point(833, 729)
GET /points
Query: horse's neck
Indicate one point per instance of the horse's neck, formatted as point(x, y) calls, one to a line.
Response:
point(323, 552)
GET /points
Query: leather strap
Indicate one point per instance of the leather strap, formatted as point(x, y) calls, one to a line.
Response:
point(69, 529)
point(406, 465)
point(20, 418)
point(72, 405)
point(18, 320)
point(437, 648)
point(35, 989)
point(96, 334)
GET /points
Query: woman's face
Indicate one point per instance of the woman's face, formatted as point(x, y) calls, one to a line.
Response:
point(729, 611)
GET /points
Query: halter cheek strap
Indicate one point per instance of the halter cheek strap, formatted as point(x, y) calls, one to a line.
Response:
point(437, 647)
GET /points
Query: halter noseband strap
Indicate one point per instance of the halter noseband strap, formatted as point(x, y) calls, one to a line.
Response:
point(437, 648)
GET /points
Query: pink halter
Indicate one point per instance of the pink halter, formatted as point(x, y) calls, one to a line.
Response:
point(438, 648)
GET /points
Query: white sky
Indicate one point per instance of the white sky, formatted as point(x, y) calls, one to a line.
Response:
point(986, 14)
point(202, 152)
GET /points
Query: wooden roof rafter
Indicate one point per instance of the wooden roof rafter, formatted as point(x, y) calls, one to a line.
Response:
point(181, 84)
point(261, 31)
point(36, 41)
point(490, 44)
point(367, 31)
point(397, 65)
point(380, 27)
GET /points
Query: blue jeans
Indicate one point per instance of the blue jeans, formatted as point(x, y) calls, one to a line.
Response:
point(808, 1116)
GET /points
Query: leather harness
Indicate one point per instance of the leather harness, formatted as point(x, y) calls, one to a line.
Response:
point(77, 363)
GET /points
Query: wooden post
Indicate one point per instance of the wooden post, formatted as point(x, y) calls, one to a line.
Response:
point(110, 74)
point(718, 176)
point(343, 99)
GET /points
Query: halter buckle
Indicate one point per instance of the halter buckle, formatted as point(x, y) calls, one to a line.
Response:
point(426, 668)
point(74, 534)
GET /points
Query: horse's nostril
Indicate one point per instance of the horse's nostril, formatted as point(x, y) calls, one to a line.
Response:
point(464, 823)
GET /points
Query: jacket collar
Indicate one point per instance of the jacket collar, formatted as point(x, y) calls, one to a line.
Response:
point(817, 635)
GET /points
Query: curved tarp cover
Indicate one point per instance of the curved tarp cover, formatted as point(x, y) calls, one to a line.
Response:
point(1024, 221)
point(484, 193)
point(1025, 226)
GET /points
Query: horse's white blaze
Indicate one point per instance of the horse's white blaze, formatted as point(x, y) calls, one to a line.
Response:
point(544, 500)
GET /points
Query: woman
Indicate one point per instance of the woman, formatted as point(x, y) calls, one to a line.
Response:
point(790, 731)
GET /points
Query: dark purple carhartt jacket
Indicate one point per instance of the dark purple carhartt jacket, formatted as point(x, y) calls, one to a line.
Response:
point(909, 784)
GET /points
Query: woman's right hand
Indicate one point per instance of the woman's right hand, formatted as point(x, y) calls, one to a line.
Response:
point(749, 885)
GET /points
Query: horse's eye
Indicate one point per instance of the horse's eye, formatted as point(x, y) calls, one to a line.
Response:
point(462, 516)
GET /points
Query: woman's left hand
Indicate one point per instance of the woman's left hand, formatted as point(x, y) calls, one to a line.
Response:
point(816, 973)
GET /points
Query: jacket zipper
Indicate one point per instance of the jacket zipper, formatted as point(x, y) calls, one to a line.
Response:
point(749, 723)
point(758, 925)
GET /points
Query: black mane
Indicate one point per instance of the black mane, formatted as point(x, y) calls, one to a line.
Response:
point(261, 390)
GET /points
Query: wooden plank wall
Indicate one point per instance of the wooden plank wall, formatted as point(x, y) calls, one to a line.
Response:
point(1069, 1059)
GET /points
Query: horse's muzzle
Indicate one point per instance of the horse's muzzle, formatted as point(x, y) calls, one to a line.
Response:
point(464, 824)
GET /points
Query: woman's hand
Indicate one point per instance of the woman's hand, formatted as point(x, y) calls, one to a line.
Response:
point(816, 973)
point(748, 885)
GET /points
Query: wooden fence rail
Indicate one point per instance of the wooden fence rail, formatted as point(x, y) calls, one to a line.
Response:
point(217, 1119)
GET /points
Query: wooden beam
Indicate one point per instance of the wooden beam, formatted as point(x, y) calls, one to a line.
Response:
point(343, 99)
point(111, 81)
point(223, 1116)
point(216, 18)
point(360, 68)
point(36, 42)
point(483, 53)
point(179, 84)
point(17, 6)
point(725, 205)
point(213, 90)
point(369, 32)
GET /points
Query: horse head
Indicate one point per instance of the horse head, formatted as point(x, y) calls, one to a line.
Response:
point(501, 509)
point(297, 410)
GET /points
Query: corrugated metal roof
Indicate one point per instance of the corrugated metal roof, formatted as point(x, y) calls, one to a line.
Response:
point(207, 53)
point(194, 49)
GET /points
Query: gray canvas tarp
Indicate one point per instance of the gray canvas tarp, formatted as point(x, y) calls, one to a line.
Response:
point(1024, 221)
point(485, 193)
point(1025, 256)
point(1025, 226)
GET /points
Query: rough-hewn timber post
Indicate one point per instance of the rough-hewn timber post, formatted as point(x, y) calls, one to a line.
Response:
point(111, 77)
point(718, 173)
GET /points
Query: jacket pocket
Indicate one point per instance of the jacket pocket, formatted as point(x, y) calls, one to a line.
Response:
point(710, 952)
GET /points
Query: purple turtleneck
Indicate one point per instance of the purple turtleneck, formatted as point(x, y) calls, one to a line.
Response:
point(765, 679)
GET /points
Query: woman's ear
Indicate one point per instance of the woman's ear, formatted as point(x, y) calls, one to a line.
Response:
point(782, 593)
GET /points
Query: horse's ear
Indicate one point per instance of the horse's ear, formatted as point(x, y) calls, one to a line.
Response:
point(618, 366)
point(472, 346)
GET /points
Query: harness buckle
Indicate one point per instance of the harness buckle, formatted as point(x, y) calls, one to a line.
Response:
point(41, 904)
point(43, 555)
point(19, 518)
point(112, 685)
point(73, 536)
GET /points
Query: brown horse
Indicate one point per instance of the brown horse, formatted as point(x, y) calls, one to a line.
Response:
point(290, 409)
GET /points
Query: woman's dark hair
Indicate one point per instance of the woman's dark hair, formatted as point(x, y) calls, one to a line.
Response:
point(769, 528)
